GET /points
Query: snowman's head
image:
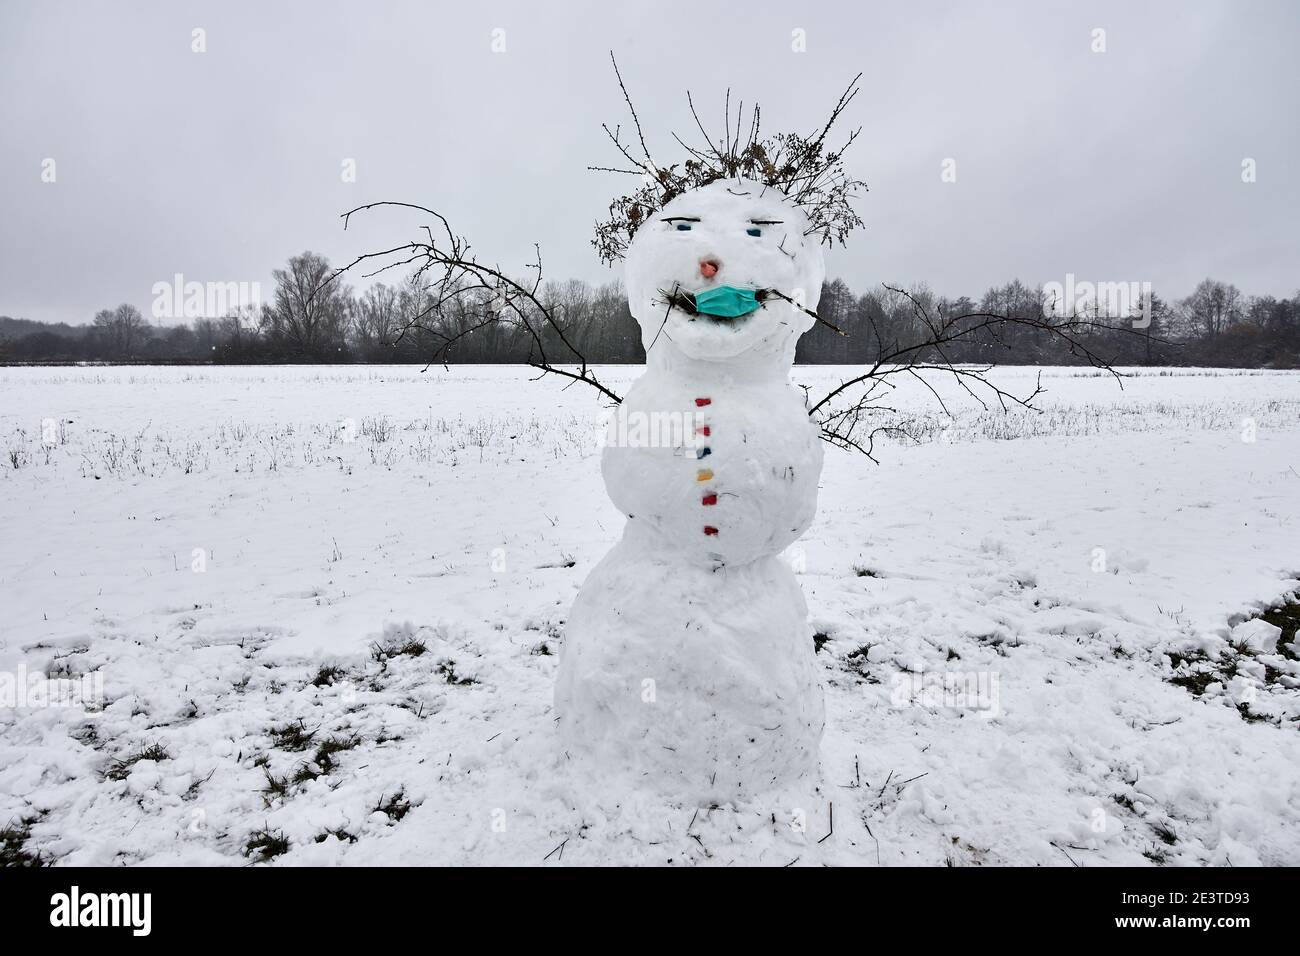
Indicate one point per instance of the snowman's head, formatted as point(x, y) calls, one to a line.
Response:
point(731, 234)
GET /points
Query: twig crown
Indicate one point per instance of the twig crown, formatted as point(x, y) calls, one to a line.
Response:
point(807, 171)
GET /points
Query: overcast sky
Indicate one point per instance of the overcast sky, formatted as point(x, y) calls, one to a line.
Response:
point(1122, 165)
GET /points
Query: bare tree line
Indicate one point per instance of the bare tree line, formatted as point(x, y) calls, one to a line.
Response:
point(418, 320)
point(1215, 325)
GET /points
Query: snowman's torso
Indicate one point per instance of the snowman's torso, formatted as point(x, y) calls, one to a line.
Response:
point(688, 659)
point(716, 473)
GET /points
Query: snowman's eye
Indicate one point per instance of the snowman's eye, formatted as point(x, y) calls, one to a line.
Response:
point(754, 231)
point(683, 223)
point(683, 227)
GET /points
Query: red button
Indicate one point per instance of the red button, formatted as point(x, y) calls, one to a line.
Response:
point(710, 499)
point(701, 402)
point(704, 430)
point(709, 529)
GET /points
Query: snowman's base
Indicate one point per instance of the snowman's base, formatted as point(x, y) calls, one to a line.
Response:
point(692, 681)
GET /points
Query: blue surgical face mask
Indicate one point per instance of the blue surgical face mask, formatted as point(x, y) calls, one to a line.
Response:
point(726, 302)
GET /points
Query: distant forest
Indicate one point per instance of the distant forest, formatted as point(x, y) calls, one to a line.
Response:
point(1215, 325)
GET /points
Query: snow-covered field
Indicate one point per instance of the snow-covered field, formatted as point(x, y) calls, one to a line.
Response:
point(324, 606)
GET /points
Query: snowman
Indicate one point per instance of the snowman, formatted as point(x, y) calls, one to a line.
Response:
point(688, 664)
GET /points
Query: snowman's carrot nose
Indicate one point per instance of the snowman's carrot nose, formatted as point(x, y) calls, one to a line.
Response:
point(708, 268)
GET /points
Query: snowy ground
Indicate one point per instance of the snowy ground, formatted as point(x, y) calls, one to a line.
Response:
point(325, 606)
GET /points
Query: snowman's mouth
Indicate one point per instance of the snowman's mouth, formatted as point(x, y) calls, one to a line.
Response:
point(686, 302)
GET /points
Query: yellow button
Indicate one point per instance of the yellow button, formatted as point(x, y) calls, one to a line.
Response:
point(704, 475)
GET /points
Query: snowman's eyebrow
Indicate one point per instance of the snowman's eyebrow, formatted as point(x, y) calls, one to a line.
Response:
point(767, 222)
point(681, 219)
